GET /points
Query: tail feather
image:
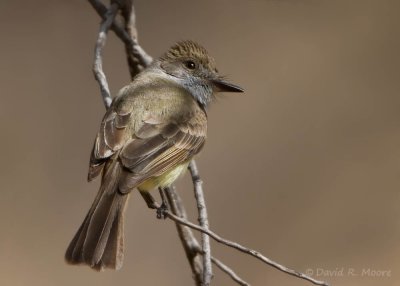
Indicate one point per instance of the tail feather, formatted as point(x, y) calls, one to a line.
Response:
point(100, 239)
point(115, 244)
point(104, 220)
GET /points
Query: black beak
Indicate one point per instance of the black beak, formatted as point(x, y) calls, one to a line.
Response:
point(223, 86)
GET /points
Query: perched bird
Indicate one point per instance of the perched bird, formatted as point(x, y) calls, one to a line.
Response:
point(148, 136)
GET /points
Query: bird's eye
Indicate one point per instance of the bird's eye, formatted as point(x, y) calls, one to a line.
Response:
point(190, 65)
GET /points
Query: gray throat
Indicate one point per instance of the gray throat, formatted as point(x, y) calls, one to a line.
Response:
point(199, 88)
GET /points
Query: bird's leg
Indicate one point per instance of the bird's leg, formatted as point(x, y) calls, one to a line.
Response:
point(152, 203)
point(149, 199)
point(161, 211)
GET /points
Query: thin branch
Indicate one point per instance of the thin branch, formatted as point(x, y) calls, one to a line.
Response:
point(129, 15)
point(203, 220)
point(246, 250)
point(131, 43)
point(98, 62)
point(189, 242)
point(229, 271)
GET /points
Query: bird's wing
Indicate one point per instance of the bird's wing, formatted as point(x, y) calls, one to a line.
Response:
point(112, 136)
point(159, 147)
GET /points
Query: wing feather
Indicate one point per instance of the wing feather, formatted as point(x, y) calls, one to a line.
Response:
point(146, 148)
point(112, 137)
point(174, 144)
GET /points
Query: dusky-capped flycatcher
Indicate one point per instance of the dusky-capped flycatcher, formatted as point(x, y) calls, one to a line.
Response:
point(148, 136)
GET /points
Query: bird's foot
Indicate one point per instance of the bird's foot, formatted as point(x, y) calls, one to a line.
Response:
point(162, 211)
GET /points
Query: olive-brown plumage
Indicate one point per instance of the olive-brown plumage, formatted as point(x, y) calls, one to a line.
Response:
point(147, 137)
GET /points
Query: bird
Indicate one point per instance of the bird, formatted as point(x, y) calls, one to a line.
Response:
point(147, 137)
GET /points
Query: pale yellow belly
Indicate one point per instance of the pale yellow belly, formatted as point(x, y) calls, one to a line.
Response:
point(165, 180)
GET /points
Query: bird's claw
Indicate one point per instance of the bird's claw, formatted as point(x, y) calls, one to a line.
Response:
point(162, 211)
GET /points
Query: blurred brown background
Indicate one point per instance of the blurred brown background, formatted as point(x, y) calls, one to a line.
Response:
point(303, 167)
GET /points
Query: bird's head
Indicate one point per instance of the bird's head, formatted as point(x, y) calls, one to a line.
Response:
point(191, 65)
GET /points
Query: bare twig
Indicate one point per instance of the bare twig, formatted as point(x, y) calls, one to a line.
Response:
point(189, 242)
point(194, 246)
point(131, 43)
point(203, 220)
point(128, 12)
point(246, 250)
point(98, 62)
point(229, 271)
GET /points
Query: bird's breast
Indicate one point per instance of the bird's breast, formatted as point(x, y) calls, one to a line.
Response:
point(166, 179)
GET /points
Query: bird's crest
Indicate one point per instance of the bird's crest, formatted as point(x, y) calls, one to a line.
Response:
point(190, 50)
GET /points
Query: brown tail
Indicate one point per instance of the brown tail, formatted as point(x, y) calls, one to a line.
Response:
point(100, 239)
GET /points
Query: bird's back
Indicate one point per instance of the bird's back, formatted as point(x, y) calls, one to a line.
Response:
point(141, 110)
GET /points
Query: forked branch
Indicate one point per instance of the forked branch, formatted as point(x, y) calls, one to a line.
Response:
point(98, 60)
point(246, 250)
